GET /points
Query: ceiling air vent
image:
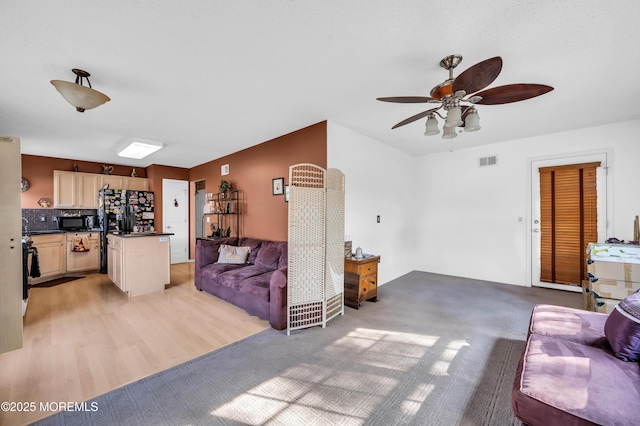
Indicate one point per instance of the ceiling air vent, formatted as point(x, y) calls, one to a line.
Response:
point(488, 161)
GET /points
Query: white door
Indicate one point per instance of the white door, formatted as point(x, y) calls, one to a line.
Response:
point(601, 189)
point(175, 214)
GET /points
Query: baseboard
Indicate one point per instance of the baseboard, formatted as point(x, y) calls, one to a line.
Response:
point(565, 287)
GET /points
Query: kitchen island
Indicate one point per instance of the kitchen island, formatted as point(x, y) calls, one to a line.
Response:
point(139, 263)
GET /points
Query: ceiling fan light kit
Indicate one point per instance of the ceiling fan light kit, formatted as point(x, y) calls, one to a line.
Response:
point(78, 95)
point(451, 93)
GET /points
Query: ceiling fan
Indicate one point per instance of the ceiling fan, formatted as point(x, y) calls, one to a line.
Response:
point(451, 93)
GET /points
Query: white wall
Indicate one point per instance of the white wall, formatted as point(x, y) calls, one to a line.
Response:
point(379, 181)
point(471, 213)
point(443, 213)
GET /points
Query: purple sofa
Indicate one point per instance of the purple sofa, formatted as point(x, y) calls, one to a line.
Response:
point(569, 375)
point(258, 286)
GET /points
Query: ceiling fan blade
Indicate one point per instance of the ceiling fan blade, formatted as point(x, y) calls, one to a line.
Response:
point(478, 76)
point(512, 93)
point(415, 117)
point(409, 99)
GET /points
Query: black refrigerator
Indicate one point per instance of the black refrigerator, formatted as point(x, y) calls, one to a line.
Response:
point(123, 212)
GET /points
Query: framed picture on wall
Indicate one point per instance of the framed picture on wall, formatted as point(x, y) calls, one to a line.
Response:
point(277, 186)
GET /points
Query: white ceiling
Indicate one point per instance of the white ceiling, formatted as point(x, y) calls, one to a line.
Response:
point(208, 78)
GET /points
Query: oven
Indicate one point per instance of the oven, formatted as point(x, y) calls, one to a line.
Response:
point(28, 250)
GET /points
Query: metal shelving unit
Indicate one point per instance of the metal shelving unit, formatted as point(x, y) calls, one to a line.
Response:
point(223, 219)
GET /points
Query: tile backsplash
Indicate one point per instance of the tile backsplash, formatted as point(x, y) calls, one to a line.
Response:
point(42, 219)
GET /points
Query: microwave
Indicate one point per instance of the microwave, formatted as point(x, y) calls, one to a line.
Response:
point(75, 223)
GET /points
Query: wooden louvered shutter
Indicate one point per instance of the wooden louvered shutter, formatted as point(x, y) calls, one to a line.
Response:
point(568, 221)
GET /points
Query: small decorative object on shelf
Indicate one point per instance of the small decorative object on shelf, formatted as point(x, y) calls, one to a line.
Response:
point(133, 173)
point(348, 246)
point(45, 201)
point(75, 166)
point(24, 185)
point(224, 187)
point(107, 170)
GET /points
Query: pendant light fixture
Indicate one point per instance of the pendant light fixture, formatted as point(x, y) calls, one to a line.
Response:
point(77, 94)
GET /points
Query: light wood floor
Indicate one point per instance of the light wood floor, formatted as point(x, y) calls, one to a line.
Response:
point(85, 338)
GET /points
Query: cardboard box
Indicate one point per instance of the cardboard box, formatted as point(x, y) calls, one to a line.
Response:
point(587, 299)
point(625, 253)
point(616, 271)
point(613, 289)
point(604, 305)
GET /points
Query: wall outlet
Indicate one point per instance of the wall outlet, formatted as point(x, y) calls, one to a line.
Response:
point(43, 219)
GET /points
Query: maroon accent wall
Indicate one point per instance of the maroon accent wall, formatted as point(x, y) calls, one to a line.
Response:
point(156, 173)
point(39, 172)
point(251, 170)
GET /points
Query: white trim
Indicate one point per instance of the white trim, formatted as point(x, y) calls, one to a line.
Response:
point(566, 287)
point(605, 223)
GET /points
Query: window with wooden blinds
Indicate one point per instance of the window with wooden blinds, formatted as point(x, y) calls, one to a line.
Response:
point(568, 221)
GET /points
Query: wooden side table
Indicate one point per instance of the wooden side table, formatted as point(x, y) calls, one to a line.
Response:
point(360, 280)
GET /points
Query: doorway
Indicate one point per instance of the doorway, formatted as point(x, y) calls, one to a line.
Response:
point(564, 199)
point(200, 201)
point(175, 211)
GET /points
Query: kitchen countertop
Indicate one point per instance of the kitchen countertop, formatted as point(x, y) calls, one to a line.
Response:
point(60, 231)
point(141, 234)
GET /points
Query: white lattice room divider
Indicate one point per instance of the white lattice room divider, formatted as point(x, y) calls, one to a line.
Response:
point(315, 282)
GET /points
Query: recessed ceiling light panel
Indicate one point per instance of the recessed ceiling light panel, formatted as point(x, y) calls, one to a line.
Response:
point(139, 149)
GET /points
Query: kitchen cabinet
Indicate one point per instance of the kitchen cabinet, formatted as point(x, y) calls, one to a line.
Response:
point(124, 182)
point(51, 256)
point(139, 263)
point(80, 190)
point(115, 260)
point(115, 182)
point(136, 184)
point(82, 261)
point(75, 190)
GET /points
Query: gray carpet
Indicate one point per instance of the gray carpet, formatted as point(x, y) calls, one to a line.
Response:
point(434, 350)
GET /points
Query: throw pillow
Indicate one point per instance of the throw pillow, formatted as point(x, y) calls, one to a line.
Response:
point(622, 328)
point(233, 254)
point(269, 254)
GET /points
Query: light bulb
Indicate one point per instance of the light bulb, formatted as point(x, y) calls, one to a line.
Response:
point(472, 121)
point(454, 117)
point(431, 126)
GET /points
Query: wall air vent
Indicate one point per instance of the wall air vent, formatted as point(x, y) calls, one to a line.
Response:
point(488, 161)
